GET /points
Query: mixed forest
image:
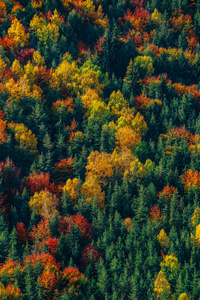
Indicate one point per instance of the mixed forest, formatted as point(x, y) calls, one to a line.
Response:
point(100, 149)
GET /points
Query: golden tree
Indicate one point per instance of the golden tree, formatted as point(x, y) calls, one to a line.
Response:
point(44, 204)
point(100, 166)
point(161, 285)
point(18, 32)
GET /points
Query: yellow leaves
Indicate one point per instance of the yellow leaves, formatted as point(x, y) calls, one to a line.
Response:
point(171, 262)
point(90, 80)
point(2, 66)
point(139, 124)
point(16, 68)
point(163, 238)
point(37, 3)
point(156, 16)
point(45, 31)
point(17, 31)
point(136, 168)
point(37, 60)
point(72, 187)
point(24, 137)
point(146, 63)
point(97, 110)
point(161, 284)
point(17, 89)
point(44, 204)
point(100, 166)
point(196, 238)
point(126, 137)
point(89, 97)
point(196, 217)
point(127, 223)
point(92, 188)
point(116, 103)
point(68, 75)
point(183, 296)
point(103, 20)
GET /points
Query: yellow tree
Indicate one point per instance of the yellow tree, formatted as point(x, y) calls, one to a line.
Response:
point(89, 97)
point(89, 80)
point(44, 204)
point(163, 238)
point(16, 68)
point(126, 137)
point(69, 76)
point(116, 103)
point(161, 285)
point(97, 110)
point(72, 187)
point(100, 166)
point(196, 217)
point(18, 32)
point(91, 189)
point(24, 137)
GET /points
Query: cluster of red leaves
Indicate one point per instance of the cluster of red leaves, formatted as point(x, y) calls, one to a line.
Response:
point(8, 267)
point(168, 192)
point(38, 182)
point(8, 44)
point(76, 220)
point(89, 255)
point(98, 47)
point(138, 19)
point(155, 214)
point(22, 234)
point(180, 21)
point(52, 245)
point(142, 101)
point(82, 48)
point(26, 55)
point(191, 179)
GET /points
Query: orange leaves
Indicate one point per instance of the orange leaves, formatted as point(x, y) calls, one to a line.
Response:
point(72, 278)
point(10, 292)
point(168, 192)
point(3, 133)
point(100, 166)
point(155, 214)
point(142, 102)
point(42, 230)
point(66, 105)
point(49, 283)
point(2, 11)
point(138, 19)
point(126, 137)
point(191, 179)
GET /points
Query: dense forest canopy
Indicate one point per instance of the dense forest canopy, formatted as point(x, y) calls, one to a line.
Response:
point(100, 149)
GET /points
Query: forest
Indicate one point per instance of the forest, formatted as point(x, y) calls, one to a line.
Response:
point(100, 150)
